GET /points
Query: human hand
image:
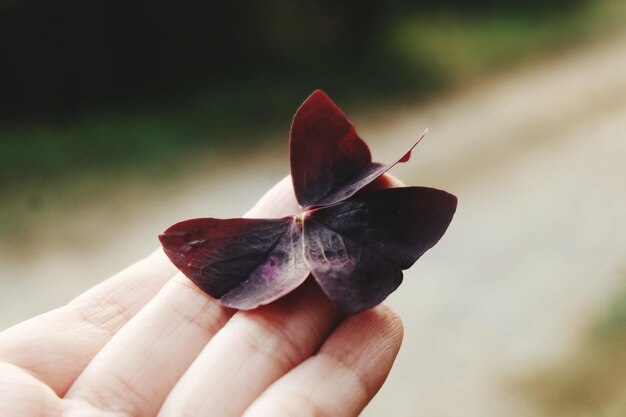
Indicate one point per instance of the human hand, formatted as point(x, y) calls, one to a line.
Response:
point(147, 342)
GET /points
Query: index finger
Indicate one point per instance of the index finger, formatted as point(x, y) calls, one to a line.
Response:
point(57, 346)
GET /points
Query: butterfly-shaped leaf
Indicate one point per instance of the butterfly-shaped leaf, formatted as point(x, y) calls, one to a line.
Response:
point(356, 244)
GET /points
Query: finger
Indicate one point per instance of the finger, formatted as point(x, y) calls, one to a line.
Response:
point(56, 346)
point(279, 201)
point(133, 373)
point(136, 369)
point(23, 395)
point(344, 376)
point(253, 350)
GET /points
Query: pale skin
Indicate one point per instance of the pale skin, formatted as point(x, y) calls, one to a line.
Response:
point(147, 342)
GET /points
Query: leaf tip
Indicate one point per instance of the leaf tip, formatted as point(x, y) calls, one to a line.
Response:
point(407, 156)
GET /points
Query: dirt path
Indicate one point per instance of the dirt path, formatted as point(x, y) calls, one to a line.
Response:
point(537, 160)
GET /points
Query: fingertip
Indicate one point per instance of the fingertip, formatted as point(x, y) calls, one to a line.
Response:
point(344, 375)
point(279, 201)
point(368, 342)
point(384, 326)
point(391, 321)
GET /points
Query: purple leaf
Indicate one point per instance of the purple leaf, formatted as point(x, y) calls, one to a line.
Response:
point(282, 271)
point(246, 262)
point(356, 244)
point(329, 162)
point(325, 151)
point(398, 223)
point(365, 177)
point(353, 277)
point(356, 249)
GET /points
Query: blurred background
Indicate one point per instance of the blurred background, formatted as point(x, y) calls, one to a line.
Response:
point(119, 118)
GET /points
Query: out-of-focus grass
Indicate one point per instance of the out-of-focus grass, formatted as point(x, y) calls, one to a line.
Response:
point(69, 161)
point(592, 382)
point(458, 47)
point(50, 168)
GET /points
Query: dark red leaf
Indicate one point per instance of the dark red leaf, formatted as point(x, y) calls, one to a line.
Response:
point(281, 272)
point(356, 244)
point(356, 249)
point(329, 162)
point(353, 277)
point(325, 151)
point(245, 262)
point(365, 177)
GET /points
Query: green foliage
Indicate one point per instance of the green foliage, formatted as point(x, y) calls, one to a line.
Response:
point(393, 53)
point(612, 326)
point(460, 46)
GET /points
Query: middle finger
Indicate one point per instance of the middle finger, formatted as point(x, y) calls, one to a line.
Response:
point(133, 373)
point(250, 352)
